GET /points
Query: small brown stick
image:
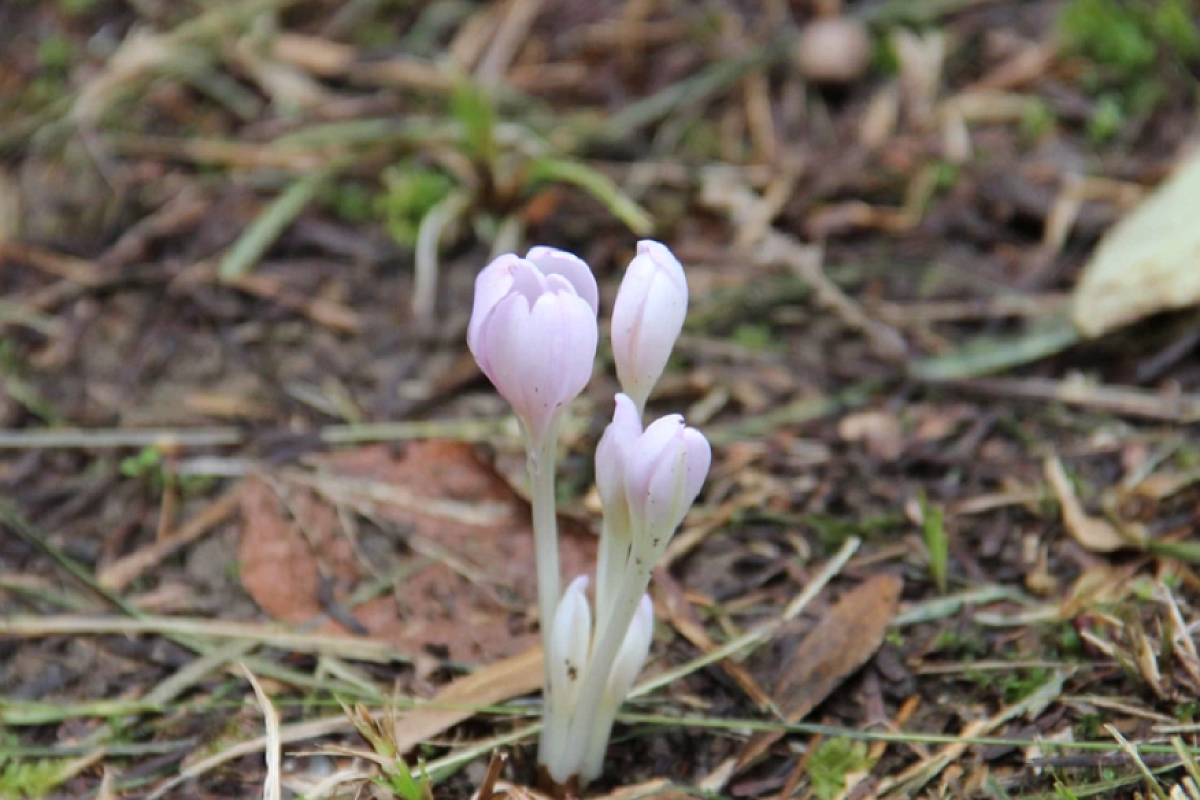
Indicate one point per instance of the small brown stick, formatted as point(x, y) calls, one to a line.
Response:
point(219, 152)
point(181, 212)
point(998, 307)
point(1182, 408)
point(738, 202)
point(105, 438)
point(1028, 65)
point(487, 789)
point(508, 40)
point(1098, 760)
point(351, 647)
point(273, 785)
point(321, 311)
point(679, 614)
point(79, 270)
point(119, 574)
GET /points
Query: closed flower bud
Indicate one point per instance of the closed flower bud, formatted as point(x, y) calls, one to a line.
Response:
point(570, 638)
point(647, 318)
point(533, 332)
point(664, 471)
point(611, 456)
point(633, 652)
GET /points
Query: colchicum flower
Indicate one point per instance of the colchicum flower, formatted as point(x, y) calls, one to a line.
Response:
point(533, 332)
point(647, 318)
point(663, 468)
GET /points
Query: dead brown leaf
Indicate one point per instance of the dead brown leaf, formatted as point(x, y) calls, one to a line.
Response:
point(1095, 534)
point(459, 699)
point(834, 650)
point(879, 431)
point(454, 703)
point(472, 596)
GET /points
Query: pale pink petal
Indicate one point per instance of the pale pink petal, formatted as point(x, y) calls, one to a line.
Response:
point(699, 459)
point(552, 261)
point(634, 650)
point(491, 285)
point(665, 260)
point(528, 280)
point(581, 336)
point(612, 452)
point(647, 318)
point(501, 345)
point(645, 455)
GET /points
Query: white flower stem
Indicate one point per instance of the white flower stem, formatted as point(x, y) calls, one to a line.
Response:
point(545, 528)
point(632, 585)
point(540, 462)
point(639, 400)
point(610, 565)
point(601, 730)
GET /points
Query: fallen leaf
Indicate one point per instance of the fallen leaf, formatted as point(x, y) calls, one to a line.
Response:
point(458, 700)
point(279, 566)
point(835, 649)
point(489, 686)
point(655, 787)
point(1097, 535)
point(1150, 260)
point(879, 431)
point(1162, 485)
point(472, 583)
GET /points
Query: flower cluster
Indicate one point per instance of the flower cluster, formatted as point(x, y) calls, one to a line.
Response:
point(534, 333)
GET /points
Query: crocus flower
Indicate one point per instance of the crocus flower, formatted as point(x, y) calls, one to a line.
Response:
point(533, 332)
point(647, 318)
point(664, 471)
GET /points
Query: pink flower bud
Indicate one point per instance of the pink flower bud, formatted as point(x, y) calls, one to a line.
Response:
point(611, 457)
point(664, 471)
point(647, 318)
point(533, 332)
point(570, 638)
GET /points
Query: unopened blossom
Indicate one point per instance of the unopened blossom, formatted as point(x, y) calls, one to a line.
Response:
point(570, 639)
point(533, 332)
point(665, 469)
point(633, 652)
point(611, 456)
point(647, 318)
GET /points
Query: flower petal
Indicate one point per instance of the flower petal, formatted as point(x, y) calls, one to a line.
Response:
point(491, 285)
point(613, 453)
point(581, 336)
point(570, 640)
point(647, 318)
point(501, 342)
point(552, 261)
point(632, 655)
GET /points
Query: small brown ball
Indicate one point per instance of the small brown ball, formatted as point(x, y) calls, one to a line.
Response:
point(833, 50)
